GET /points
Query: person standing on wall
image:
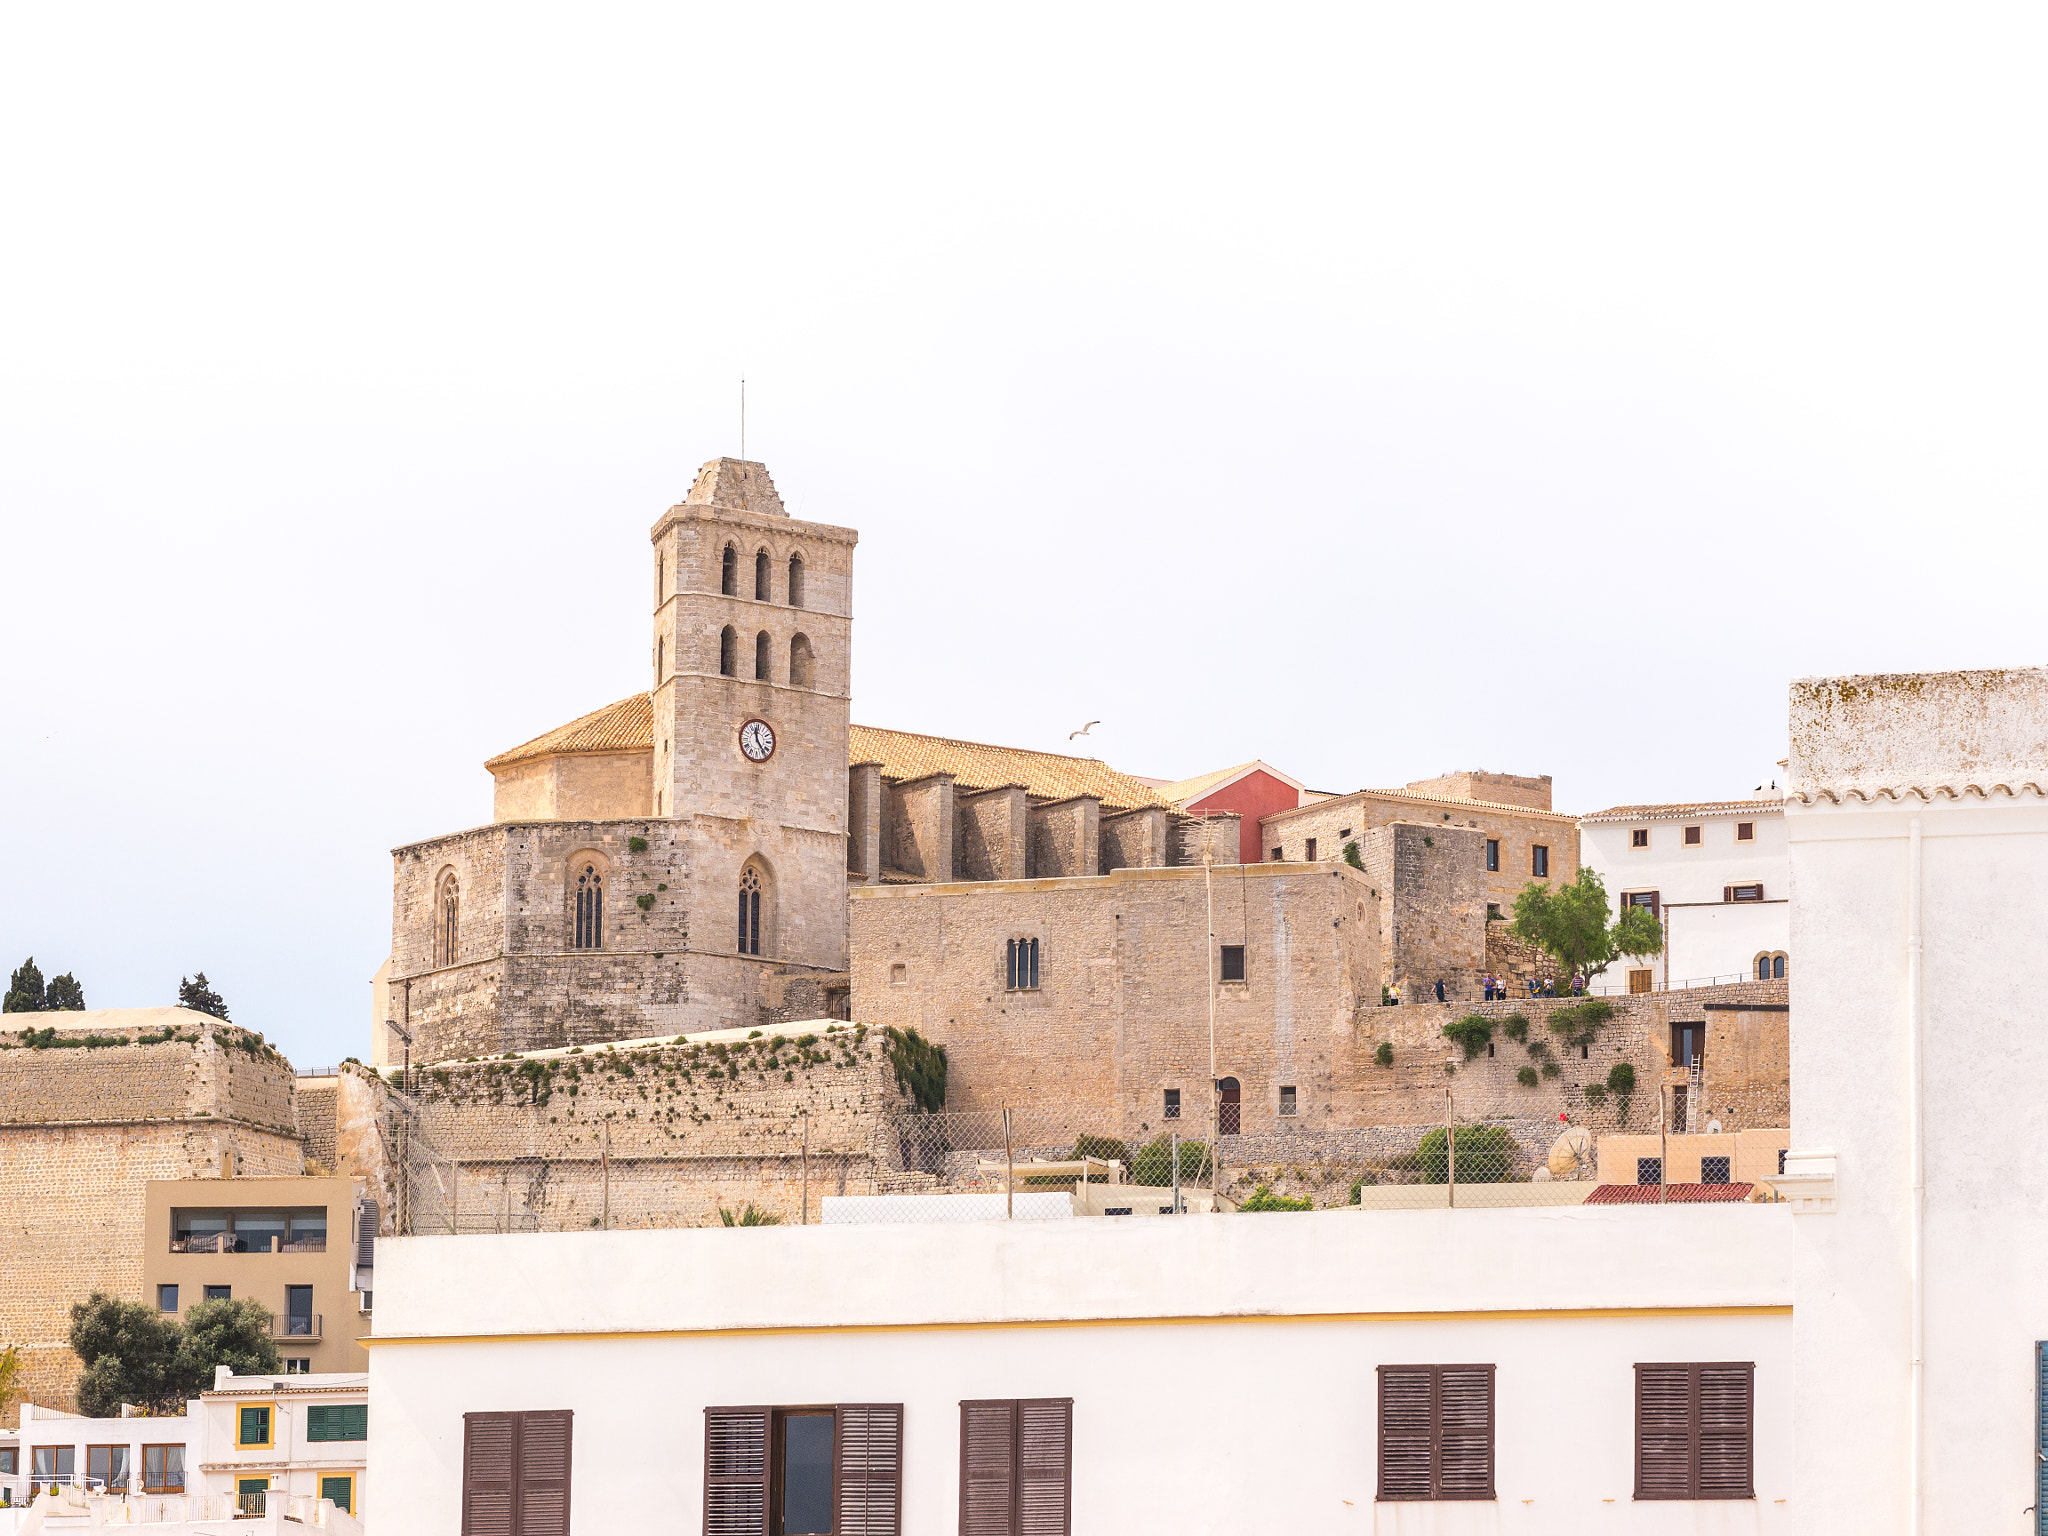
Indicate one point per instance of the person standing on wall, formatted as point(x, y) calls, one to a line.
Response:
point(1439, 989)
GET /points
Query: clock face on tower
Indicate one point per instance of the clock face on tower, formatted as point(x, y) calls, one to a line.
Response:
point(757, 740)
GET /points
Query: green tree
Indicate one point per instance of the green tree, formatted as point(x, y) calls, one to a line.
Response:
point(1152, 1165)
point(232, 1333)
point(194, 993)
point(24, 989)
point(1571, 925)
point(65, 995)
point(1263, 1199)
point(10, 1379)
point(130, 1353)
point(1486, 1155)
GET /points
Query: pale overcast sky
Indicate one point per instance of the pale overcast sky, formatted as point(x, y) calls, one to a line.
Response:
point(1529, 388)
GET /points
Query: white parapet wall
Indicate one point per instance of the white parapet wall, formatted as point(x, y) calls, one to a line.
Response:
point(1222, 1369)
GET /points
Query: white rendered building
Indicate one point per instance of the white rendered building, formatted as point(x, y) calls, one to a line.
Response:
point(1717, 876)
point(249, 1443)
point(1918, 827)
point(1239, 1373)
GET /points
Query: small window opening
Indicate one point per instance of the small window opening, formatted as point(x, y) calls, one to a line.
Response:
point(1640, 838)
point(750, 911)
point(1692, 837)
point(729, 577)
point(1020, 966)
point(589, 908)
point(1493, 855)
point(761, 582)
point(1649, 1170)
point(1311, 854)
point(1745, 831)
point(1172, 1109)
point(1713, 1170)
point(802, 665)
point(729, 652)
point(796, 581)
point(1278, 855)
point(1287, 1101)
point(1539, 862)
point(762, 646)
point(1233, 962)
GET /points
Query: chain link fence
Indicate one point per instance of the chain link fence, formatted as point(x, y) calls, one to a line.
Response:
point(1486, 1145)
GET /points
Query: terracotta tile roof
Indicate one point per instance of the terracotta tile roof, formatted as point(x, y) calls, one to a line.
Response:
point(627, 726)
point(1674, 1194)
point(976, 765)
point(1687, 808)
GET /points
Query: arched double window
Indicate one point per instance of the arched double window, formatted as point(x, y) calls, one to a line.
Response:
point(729, 578)
point(1770, 967)
point(796, 581)
point(447, 918)
point(750, 911)
point(729, 652)
point(762, 646)
point(802, 664)
point(761, 580)
point(1020, 966)
point(589, 907)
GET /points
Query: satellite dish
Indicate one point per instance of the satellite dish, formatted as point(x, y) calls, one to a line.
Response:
point(1713, 1127)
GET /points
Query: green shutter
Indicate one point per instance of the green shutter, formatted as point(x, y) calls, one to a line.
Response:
point(255, 1427)
point(338, 1421)
point(337, 1489)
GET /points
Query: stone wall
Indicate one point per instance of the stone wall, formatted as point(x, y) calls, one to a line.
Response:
point(83, 1129)
point(666, 1134)
point(1064, 837)
point(1132, 840)
point(992, 841)
point(1496, 788)
point(918, 826)
point(1335, 822)
point(316, 1111)
point(1187, 837)
point(864, 821)
point(1121, 1012)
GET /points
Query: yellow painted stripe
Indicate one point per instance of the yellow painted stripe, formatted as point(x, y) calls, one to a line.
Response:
point(1559, 1314)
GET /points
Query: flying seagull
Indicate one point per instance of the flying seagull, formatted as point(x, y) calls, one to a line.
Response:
point(1084, 729)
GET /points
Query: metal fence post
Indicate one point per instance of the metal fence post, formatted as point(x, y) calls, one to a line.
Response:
point(1176, 1173)
point(1663, 1146)
point(604, 1159)
point(454, 1195)
point(1009, 1170)
point(805, 1219)
point(1450, 1153)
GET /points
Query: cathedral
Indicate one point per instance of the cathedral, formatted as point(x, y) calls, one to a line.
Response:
point(680, 860)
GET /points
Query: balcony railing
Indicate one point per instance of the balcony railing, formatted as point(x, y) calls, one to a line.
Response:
point(228, 1242)
point(296, 1327)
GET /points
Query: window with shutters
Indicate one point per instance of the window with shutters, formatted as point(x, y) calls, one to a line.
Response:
point(338, 1421)
point(515, 1473)
point(1017, 1466)
point(252, 1425)
point(1436, 1432)
point(1694, 1428)
point(1753, 892)
point(1692, 837)
point(1745, 831)
point(1639, 838)
point(1649, 899)
point(829, 1470)
point(1539, 862)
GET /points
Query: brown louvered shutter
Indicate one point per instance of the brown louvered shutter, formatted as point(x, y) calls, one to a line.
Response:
point(1464, 1432)
point(988, 1467)
point(1407, 1431)
point(487, 1440)
point(1664, 1431)
point(867, 1469)
point(543, 1464)
point(735, 1472)
point(1727, 1397)
point(1045, 1465)
point(1727, 893)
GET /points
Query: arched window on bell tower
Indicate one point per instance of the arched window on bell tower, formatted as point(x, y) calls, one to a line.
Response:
point(589, 928)
point(761, 578)
point(729, 579)
point(729, 652)
point(750, 910)
point(447, 918)
point(796, 581)
point(764, 649)
point(803, 668)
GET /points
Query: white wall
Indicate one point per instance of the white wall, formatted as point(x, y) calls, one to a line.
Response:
point(1705, 936)
point(1222, 1369)
point(1984, 885)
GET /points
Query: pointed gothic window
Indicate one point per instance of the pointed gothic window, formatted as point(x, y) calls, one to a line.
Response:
point(796, 581)
point(447, 919)
point(729, 581)
point(762, 646)
point(589, 908)
point(750, 911)
point(761, 576)
point(802, 665)
point(729, 652)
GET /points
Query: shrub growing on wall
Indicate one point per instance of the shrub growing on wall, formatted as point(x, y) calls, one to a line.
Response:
point(1486, 1155)
point(1471, 1032)
point(920, 1066)
point(1152, 1166)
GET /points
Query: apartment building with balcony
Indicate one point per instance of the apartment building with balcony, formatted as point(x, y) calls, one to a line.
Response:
point(303, 1247)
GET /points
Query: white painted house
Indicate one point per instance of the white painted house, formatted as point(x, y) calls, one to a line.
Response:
point(1411, 1371)
point(1919, 843)
point(1717, 876)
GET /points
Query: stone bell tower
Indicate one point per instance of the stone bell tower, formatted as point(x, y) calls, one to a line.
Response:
point(752, 648)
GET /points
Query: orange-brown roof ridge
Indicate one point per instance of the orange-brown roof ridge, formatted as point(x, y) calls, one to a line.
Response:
point(627, 726)
point(1686, 808)
point(984, 765)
